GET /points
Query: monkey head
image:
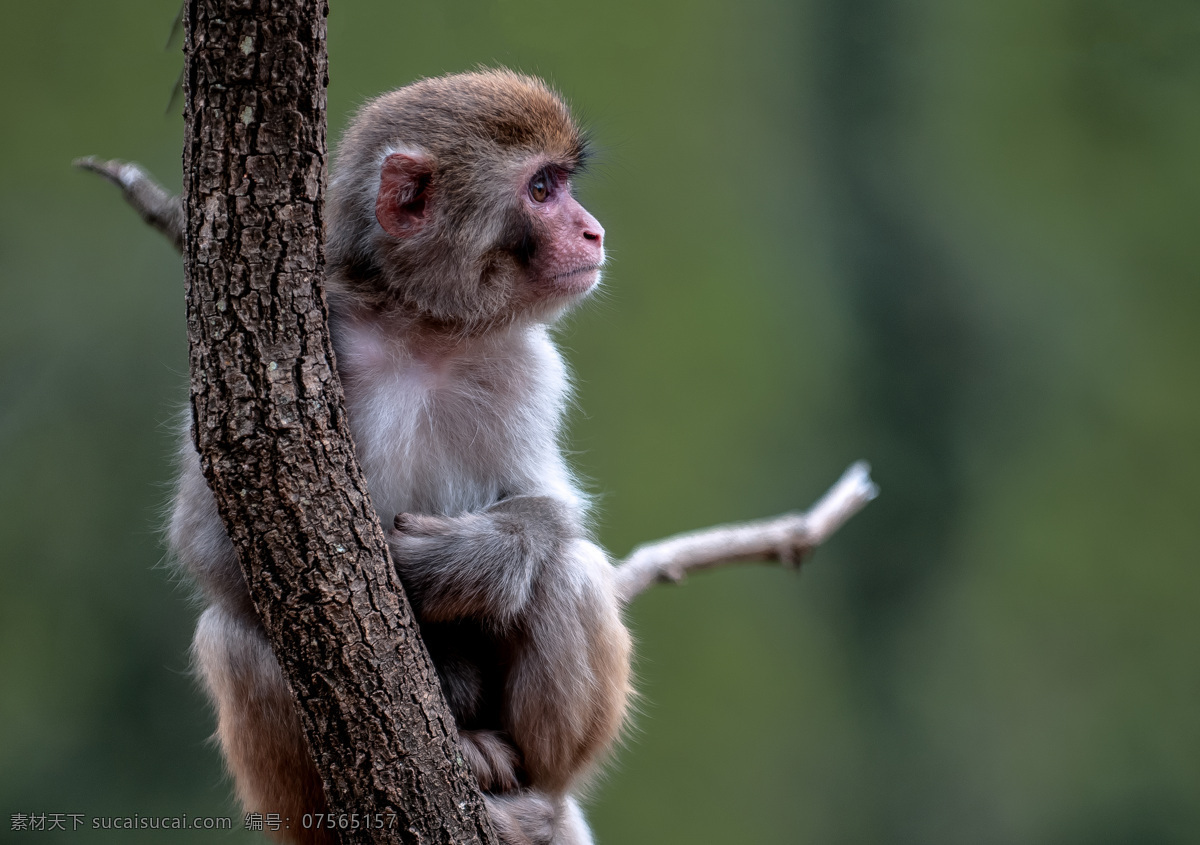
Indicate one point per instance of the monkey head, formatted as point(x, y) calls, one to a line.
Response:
point(451, 200)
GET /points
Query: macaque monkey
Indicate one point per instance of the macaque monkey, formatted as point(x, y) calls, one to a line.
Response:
point(453, 243)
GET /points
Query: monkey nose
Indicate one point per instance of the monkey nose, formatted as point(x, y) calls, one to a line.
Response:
point(592, 231)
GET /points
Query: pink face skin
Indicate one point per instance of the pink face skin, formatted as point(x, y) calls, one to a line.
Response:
point(570, 240)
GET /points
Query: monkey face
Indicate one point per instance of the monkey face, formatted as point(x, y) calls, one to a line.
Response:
point(487, 243)
point(457, 207)
point(571, 240)
point(550, 252)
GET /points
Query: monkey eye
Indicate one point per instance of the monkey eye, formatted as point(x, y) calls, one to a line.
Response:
point(541, 186)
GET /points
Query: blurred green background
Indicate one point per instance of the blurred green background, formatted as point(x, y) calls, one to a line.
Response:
point(956, 239)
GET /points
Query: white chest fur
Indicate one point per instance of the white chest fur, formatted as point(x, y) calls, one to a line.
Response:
point(452, 430)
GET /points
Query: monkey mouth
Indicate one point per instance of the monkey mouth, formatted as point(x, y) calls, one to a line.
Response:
point(579, 280)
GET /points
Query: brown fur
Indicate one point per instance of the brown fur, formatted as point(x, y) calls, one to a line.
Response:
point(471, 127)
point(257, 725)
point(443, 271)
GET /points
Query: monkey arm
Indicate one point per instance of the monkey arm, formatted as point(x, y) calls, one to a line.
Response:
point(481, 565)
point(523, 568)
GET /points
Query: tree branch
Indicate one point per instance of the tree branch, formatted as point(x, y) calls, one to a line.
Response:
point(157, 206)
point(787, 538)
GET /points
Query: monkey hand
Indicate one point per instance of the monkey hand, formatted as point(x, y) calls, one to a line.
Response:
point(493, 758)
point(480, 565)
point(526, 817)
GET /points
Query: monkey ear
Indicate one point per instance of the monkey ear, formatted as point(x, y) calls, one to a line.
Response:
point(402, 203)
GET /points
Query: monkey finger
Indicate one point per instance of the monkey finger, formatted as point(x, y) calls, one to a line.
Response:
point(419, 524)
point(493, 758)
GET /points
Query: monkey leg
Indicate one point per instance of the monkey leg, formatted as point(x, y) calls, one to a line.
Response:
point(534, 818)
point(522, 818)
point(570, 828)
point(257, 725)
point(569, 684)
point(265, 750)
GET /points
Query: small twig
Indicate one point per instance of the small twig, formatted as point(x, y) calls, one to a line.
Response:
point(787, 538)
point(157, 206)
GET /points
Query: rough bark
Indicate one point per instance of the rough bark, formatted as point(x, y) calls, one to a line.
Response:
point(270, 425)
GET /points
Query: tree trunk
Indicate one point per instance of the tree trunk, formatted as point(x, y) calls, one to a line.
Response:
point(270, 424)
